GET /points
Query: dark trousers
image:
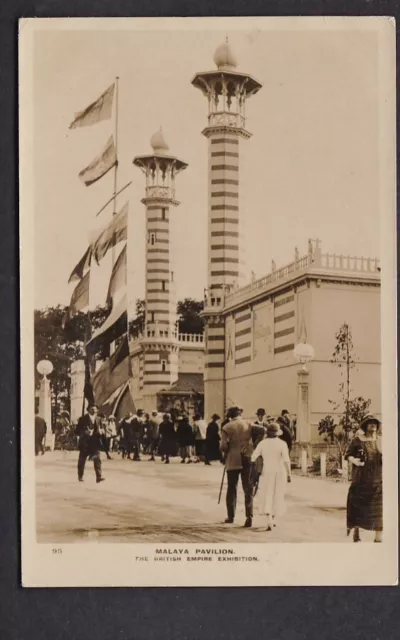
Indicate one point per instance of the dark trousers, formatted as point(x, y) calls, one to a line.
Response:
point(152, 447)
point(231, 494)
point(136, 449)
point(107, 445)
point(83, 455)
point(39, 446)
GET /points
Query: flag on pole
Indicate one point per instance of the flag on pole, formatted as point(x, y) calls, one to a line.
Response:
point(83, 264)
point(80, 295)
point(116, 231)
point(88, 388)
point(79, 298)
point(124, 403)
point(98, 168)
point(88, 394)
point(118, 276)
point(112, 374)
point(100, 109)
point(114, 326)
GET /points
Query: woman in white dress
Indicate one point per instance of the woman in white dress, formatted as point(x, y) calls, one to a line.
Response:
point(275, 474)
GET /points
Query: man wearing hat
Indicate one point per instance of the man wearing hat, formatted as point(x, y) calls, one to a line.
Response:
point(237, 446)
point(90, 442)
point(137, 433)
point(40, 433)
point(153, 427)
point(258, 431)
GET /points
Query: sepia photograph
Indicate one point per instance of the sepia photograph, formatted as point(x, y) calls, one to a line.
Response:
point(208, 301)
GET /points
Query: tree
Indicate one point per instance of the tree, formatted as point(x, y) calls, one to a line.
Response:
point(188, 311)
point(351, 410)
point(136, 326)
point(189, 320)
point(341, 432)
point(62, 345)
point(63, 342)
point(343, 357)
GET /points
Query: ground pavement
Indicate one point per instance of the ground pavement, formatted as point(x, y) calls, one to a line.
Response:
point(158, 503)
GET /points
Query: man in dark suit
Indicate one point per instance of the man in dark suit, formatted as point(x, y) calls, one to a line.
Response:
point(258, 431)
point(40, 433)
point(286, 428)
point(237, 446)
point(90, 442)
point(137, 433)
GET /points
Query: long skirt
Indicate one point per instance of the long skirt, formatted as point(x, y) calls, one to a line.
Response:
point(364, 506)
point(212, 450)
point(270, 498)
point(200, 446)
point(167, 447)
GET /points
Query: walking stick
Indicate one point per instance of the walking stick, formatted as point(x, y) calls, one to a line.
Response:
point(222, 484)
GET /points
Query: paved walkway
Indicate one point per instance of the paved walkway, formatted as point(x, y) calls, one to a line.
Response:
point(153, 502)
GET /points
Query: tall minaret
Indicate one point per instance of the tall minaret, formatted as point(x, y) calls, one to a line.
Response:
point(226, 90)
point(160, 340)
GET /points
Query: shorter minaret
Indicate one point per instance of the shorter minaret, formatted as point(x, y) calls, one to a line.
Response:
point(160, 339)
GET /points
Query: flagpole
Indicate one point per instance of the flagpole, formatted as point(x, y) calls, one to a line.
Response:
point(112, 345)
point(116, 164)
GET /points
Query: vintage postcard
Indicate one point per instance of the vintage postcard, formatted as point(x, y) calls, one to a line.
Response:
point(208, 301)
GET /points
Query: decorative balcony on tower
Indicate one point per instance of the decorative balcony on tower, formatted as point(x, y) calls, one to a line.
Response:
point(226, 90)
point(160, 170)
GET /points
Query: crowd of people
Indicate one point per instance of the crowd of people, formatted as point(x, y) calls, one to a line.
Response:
point(256, 451)
point(142, 434)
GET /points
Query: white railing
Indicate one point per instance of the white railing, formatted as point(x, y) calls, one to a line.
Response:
point(349, 263)
point(226, 119)
point(314, 261)
point(158, 191)
point(155, 333)
point(284, 273)
point(193, 338)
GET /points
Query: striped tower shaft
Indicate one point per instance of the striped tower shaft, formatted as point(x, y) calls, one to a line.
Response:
point(159, 295)
point(223, 255)
point(159, 343)
point(160, 362)
point(223, 221)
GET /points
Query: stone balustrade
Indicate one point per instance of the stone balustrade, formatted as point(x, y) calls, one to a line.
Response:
point(192, 338)
point(314, 260)
point(226, 119)
point(155, 333)
point(349, 263)
point(160, 191)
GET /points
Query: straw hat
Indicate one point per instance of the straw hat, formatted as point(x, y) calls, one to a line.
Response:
point(369, 418)
point(274, 429)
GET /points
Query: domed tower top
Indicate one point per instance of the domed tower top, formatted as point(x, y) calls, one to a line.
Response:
point(227, 90)
point(224, 58)
point(158, 143)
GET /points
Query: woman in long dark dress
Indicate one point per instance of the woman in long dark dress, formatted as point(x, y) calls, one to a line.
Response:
point(213, 439)
point(364, 501)
point(167, 435)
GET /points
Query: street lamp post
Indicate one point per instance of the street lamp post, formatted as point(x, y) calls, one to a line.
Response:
point(45, 367)
point(303, 353)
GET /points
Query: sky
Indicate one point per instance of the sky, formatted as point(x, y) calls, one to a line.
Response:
point(309, 170)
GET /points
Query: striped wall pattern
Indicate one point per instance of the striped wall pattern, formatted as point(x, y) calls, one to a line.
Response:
point(141, 367)
point(243, 337)
point(160, 367)
point(223, 227)
point(215, 350)
point(284, 322)
point(158, 270)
